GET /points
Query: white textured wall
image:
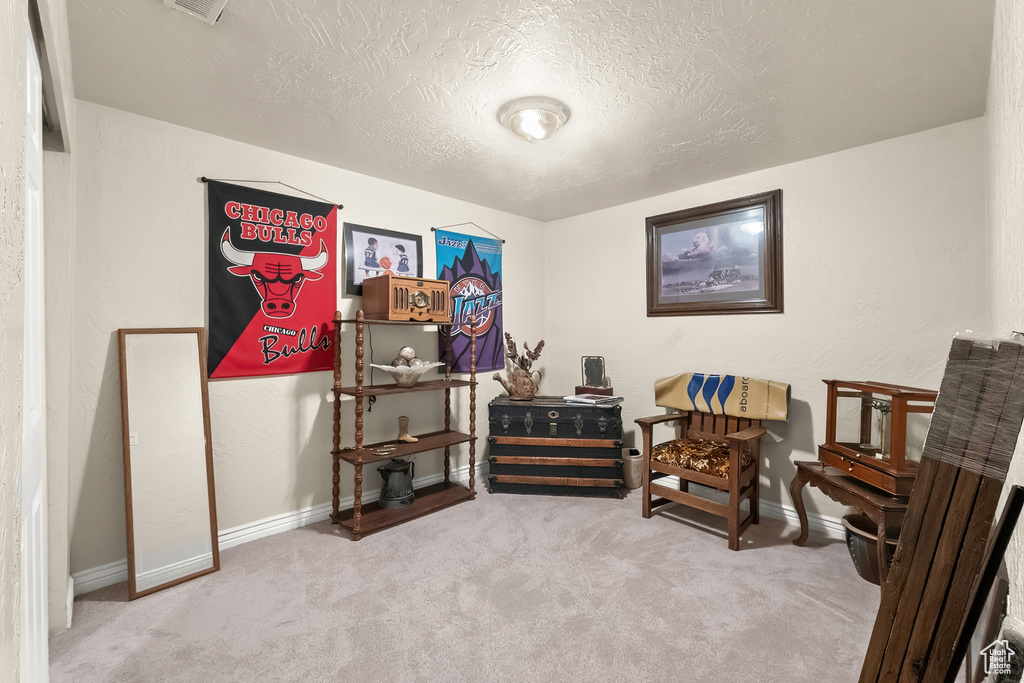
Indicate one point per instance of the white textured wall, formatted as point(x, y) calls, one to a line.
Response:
point(883, 258)
point(13, 32)
point(140, 261)
point(1005, 120)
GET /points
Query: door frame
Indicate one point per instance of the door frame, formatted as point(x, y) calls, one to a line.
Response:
point(34, 597)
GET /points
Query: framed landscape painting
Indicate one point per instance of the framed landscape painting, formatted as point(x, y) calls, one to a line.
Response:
point(717, 259)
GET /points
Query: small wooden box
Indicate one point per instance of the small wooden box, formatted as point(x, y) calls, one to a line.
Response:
point(395, 297)
point(600, 391)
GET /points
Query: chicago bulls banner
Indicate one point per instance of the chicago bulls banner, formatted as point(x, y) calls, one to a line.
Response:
point(473, 267)
point(273, 288)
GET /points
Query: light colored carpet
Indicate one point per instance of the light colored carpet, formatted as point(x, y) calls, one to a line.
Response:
point(504, 588)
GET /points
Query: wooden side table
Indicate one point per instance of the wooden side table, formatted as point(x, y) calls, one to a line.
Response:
point(883, 509)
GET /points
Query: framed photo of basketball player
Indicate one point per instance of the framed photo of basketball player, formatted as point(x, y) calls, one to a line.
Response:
point(717, 259)
point(370, 252)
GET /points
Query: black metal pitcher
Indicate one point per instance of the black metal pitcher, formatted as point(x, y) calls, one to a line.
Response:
point(397, 489)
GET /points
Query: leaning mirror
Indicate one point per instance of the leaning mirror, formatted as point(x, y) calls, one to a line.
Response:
point(170, 509)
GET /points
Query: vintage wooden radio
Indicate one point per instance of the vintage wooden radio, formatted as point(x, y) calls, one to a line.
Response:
point(396, 297)
point(869, 429)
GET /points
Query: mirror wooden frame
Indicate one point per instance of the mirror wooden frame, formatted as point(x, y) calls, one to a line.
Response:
point(122, 335)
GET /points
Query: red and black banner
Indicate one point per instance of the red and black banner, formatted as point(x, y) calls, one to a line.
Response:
point(273, 289)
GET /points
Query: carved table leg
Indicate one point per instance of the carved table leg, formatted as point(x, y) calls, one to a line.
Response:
point(796, 489)
point(883, 564)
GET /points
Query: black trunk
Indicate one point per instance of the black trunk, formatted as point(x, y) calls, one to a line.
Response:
point(547, 446)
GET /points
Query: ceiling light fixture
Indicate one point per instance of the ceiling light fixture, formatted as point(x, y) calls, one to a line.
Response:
point(533, 118)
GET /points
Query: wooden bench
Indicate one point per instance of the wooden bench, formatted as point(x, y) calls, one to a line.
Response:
point(742, 438)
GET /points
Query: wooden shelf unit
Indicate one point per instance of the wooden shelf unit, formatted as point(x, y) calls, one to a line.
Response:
point(428, 499)
point(427, 442)
point(365, 519)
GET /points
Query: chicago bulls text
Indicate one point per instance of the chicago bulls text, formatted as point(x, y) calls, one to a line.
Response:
point(271, 351)
point(275, 225)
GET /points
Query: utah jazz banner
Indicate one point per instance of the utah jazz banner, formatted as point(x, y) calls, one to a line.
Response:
point(273, 288)
point(756, 399)
point(473, 267)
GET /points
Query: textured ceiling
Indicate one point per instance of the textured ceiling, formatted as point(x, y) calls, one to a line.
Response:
point(664, 95)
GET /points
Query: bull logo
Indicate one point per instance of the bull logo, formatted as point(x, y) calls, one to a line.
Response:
point(277, 277)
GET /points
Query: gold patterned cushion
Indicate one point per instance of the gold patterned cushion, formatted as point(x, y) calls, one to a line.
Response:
point(706, 457)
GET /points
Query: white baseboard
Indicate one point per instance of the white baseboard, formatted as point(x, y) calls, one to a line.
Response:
point(229, 538)
point(89, 580)
point(1014, 626)
point(170, 572)
point(829, 527)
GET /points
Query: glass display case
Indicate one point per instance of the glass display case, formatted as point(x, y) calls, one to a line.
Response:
point(875, 431)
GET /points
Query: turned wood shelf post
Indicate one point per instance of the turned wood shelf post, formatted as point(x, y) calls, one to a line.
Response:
point(472, 406)
point(357, 493)
point(336, 449)
point(447, 401)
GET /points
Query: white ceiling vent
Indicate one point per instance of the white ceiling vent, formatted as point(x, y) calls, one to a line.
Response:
point(207, 10)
